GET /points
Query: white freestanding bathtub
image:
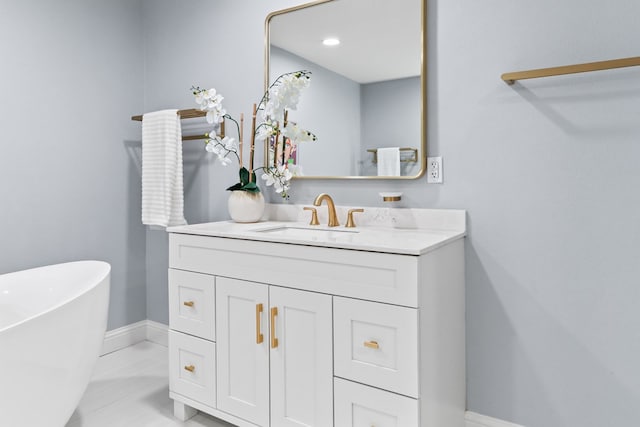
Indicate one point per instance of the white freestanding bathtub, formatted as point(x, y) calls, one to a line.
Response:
point(52, 325)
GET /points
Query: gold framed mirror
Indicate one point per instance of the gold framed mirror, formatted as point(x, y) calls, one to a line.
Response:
point(367, 100)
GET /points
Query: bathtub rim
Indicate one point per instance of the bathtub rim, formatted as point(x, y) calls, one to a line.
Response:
point(103, 274)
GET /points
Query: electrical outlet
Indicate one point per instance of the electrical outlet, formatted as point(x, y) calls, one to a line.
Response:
point(434, 170)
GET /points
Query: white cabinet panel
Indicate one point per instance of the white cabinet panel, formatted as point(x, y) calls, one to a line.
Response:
point(301, 363)
point(377, 344)
point(243, 362)
point(192, 303)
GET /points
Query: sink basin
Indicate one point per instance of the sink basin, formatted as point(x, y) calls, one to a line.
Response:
point(312, 234)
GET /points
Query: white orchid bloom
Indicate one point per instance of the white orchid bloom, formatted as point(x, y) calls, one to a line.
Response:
point(211, 146)
point(296, 134)
point(215, 116)
point(224, 160)
point(265, 131)
point(296, 170)
point(268, 178)
point(229, 144)
point(285, 94)
point(211, 102)
point(219, 150)
point(285, 173)
point(212, 94)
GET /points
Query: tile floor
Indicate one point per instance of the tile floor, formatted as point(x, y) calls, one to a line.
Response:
point(130, 388)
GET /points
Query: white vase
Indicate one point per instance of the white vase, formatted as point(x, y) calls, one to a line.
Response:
point(245, 206)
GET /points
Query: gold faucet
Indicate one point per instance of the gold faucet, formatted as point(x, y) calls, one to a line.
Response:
point(333, 218)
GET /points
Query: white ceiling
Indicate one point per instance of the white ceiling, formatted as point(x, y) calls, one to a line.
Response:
point(380, 39)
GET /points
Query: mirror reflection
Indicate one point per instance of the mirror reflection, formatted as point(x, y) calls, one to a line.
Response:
point(365, 101)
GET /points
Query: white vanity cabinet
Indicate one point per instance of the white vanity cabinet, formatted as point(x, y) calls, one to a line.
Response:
point(316, 336)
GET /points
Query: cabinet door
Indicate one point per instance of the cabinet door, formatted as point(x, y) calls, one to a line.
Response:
point(242, 358)
point(302, 359)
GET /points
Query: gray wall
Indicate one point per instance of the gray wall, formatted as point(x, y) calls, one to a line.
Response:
point(70, 79)
point(547, 170)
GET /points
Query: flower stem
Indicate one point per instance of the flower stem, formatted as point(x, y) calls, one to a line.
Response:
point(227, 116)
point(240, 141)
point(265, 97)
point(253, 142)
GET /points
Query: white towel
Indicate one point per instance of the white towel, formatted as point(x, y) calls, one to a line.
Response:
point(389, 161)
point(162, 192)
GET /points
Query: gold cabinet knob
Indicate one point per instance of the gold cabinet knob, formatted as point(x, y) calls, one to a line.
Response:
point(190, 368)
point(314, 215)
point(350, 222)
point(189, 303)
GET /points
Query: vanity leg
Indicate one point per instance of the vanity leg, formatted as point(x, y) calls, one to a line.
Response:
point(182, 411)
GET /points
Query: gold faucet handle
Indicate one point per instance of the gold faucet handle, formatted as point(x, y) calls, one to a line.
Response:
point(314, 215)
point(350, 222)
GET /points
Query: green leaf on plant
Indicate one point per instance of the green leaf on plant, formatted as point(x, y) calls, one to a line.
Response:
point(235, 187)
point(250, 186)
point(244, 176)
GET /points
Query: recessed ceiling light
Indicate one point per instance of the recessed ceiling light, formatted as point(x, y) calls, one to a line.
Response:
point(331, 42)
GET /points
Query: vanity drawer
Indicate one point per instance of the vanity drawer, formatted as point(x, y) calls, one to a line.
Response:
point(192, 303)
point(357, 405)
point(376, 344)
point(383, 277)
point(192, 363)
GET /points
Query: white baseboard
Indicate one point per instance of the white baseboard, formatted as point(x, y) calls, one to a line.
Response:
point(158, 333)
point(134, 333)
point(476, 420)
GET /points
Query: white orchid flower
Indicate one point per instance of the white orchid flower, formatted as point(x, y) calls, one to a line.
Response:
point(210, 146)
point(229, 144)
point(265, 131)
point(296, 170)
point(285, 94)
point(224, 160)
point(296, 134)
point(284, 171)
point(268, 178)
point(215, 116)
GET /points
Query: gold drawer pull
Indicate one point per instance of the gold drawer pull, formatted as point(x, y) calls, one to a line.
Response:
point(189, 303)
point(190, 368)
point(274, 340)
point(259, 336)
point(372, 344)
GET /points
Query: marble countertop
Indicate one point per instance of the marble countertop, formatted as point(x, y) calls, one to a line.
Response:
point(388, 230)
